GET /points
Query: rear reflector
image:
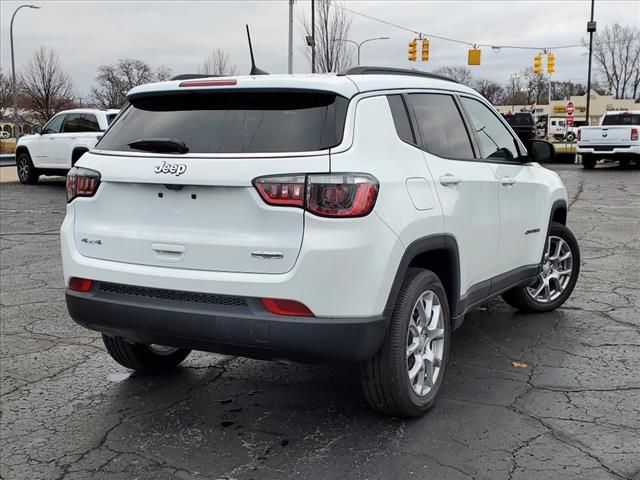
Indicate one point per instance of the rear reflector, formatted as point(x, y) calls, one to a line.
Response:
point(208, 83)
point(80, 284)
point(290, 308)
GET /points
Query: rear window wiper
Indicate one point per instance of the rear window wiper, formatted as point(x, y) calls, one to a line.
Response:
point(160, 145)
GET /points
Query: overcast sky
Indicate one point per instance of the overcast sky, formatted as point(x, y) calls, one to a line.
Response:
point(180, 34)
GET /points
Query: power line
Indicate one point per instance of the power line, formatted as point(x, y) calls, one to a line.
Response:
point(455, 40)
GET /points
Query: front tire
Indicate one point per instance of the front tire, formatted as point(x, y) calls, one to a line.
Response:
point(144, 358)
point(556, 281)
point(27, 173)
point(404, 377)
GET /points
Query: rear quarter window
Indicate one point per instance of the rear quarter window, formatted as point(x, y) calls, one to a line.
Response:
point(237, 122)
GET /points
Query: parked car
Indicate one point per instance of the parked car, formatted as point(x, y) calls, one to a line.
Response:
point(57, 146)
point(560, 131)
point(615, 139)
point(353, 218)
point(524, 125)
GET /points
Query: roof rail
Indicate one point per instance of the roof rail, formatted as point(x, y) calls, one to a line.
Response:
point(393, 71)
point(191, 76)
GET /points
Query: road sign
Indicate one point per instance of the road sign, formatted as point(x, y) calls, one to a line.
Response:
point(569, 121)
point(570, 109)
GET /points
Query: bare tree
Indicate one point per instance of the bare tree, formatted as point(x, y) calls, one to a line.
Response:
point(115, 81)
point(332, 25)
point(616, 50)
point(492, 91)
point(459, 74)
point(44, 87)
point(5, 94)
point(536, 87)
point(217, 64)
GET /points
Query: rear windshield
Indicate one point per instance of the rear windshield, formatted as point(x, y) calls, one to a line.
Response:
point(623, 119)
point(239, 122)
point(519, 119)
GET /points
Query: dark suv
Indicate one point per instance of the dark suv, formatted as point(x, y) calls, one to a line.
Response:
point(523, 124)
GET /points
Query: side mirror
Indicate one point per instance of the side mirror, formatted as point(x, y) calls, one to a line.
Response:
point(541, 151)
point(38, 129)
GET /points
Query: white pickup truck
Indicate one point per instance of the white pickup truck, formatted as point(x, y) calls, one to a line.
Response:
point(57, 146)
point(615, 139)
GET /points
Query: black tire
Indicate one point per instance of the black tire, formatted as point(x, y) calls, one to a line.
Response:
point(385, 378)
point(571, 137)
point(588, 162)
point(27, 173)
point(143, 358)
point(522, 299)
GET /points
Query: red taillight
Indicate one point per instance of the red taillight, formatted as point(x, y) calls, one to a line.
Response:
point(579, 134)
point(82, 182)
point(336, 195)
point(289, 308)
point(80, 284)
point(208, 83)
point(634, 134)
point(282, 190)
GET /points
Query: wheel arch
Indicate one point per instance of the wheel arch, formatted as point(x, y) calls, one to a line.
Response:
point(77, 153)
point(22, 149)
point(438, 253)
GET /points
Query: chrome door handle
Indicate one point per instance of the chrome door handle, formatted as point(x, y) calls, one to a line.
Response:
point(448, 180)
point(507, 181)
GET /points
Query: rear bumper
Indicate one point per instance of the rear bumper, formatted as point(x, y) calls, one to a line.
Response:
point(235, 326)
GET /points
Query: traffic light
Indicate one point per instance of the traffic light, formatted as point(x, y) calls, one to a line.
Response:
point(537, 63)
point(474, 56)
point(425, 49)
point(413, 47)
point(551, 62)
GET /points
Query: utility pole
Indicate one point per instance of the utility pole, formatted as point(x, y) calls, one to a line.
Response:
point(591, 28)
point(16, 121)
point(290, 62)
point(313, 36)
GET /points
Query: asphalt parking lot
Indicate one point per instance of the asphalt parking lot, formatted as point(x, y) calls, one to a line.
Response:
point(573, 412)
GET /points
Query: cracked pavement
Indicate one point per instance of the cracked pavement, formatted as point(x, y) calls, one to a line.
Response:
point(70, 412)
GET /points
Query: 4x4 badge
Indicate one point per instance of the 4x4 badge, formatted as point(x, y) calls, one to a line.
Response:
point(173, 168)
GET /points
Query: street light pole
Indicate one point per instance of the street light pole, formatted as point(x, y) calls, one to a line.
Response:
point(13, 71)
point(359, 45)
point(290, 53)
point(591, 28)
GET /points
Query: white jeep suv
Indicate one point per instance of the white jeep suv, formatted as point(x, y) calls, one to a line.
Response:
point(57, 146)
point(351, 218)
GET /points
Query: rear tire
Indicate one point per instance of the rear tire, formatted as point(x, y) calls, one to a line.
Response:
point(144, 358)
point(27, 173)
point(524, 298)
point(417, 343)
point(588, 162)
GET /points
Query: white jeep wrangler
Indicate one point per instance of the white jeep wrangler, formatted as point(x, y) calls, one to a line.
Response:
point(352, 218)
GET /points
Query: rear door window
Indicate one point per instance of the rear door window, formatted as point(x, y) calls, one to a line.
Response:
point(73, 124)
point(623, 119)
point(441, 126)
point(238, 122)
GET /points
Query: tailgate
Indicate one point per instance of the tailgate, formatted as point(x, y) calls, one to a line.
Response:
point(208, 218)
point(606, 135)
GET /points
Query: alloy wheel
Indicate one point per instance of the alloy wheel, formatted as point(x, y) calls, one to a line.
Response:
point(24, 169)
point(425, 343)
point(555, 275)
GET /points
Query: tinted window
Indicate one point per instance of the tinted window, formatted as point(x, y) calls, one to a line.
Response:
point(401, 118)
point(243, 122)
point(54, 125)
point(519, 119)
point(90, 123)
point(496, 142)
point(441, 127)
point(73, 124)
point(623, 119)
point(110, 117)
